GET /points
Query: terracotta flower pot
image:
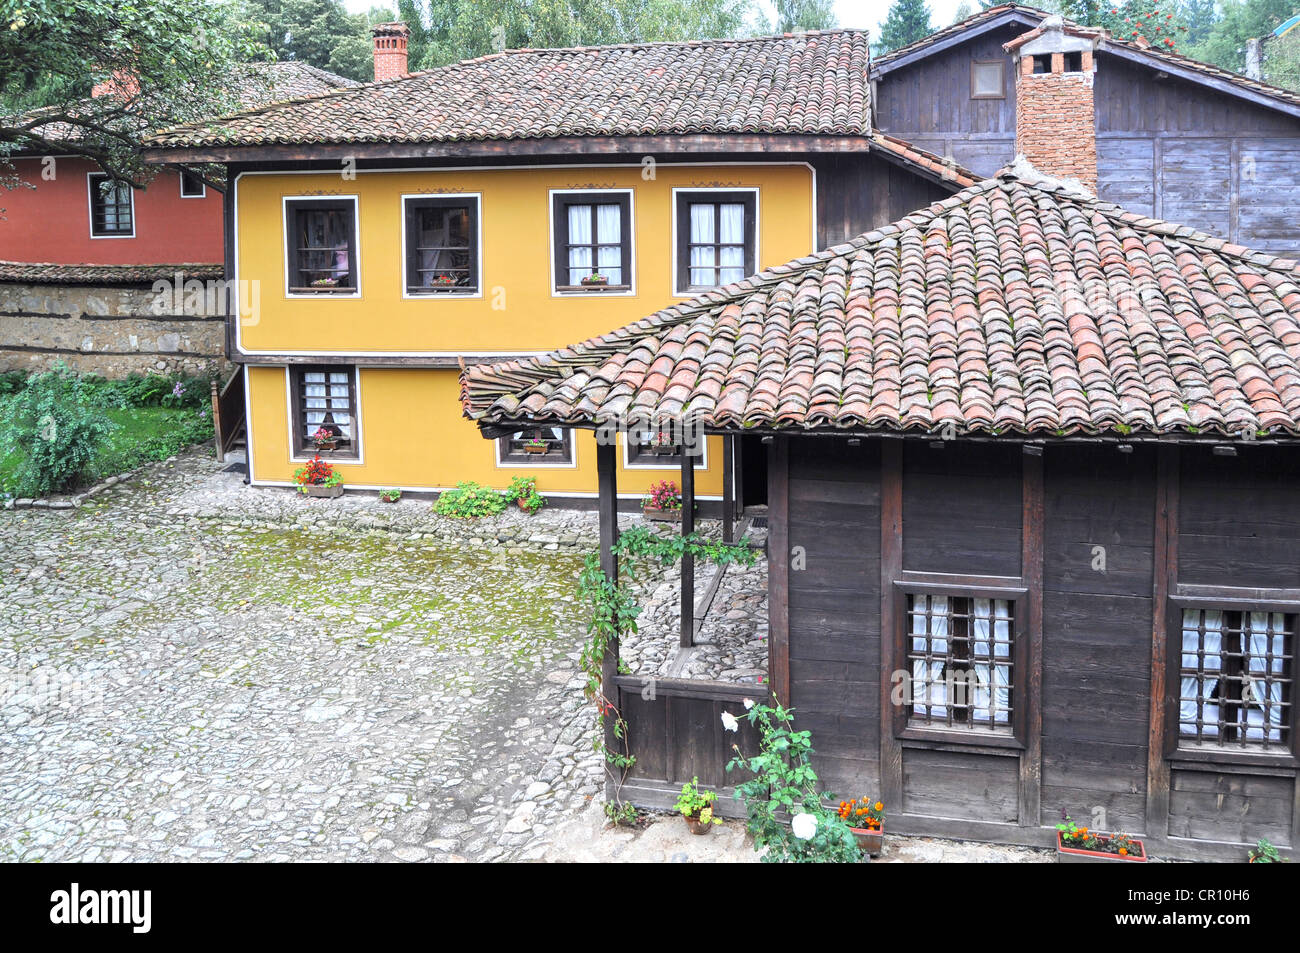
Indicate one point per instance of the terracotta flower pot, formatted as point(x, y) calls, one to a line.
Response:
point(328, 445)
point(695, 825)
point(1077, 855)
point(528, 448)
point(870, 842)
point(329, 492)
point(523, 504)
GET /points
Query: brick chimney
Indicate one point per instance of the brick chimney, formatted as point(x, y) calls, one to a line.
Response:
point(1056, 114)
point(121, 84)
point(390, 50)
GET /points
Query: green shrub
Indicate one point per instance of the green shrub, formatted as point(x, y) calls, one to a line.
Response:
point(469, 501)
point(55, 426)
point(155, 390)
point(525, 489)
point(12, 381)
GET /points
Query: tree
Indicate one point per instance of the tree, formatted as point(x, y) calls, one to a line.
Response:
point(964, 10)
point(1225, 44)
point(1282, 61)
point(322, 33)
point(1199, 16)
point(906, 22)
point(171, 61)
point(795, 15)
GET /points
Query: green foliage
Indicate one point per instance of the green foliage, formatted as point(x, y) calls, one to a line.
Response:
point(184, 56)
point(1265, 853)
point(12, 381)
point(614, 613)
point(324, 34)
point(693, 802)
point(55, 427)
point(795, 15)
point(469, 500)
point(1282, 61)
point(1225, 42)
point(906, 22)
point(525, 489)
point(784, 782)
point(390, 496)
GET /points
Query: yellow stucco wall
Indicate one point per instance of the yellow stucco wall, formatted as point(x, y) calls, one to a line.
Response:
point(412, 431)
point(518, 311)
point(436, 447)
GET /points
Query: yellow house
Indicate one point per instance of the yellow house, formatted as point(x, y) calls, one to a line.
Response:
point(380, 237)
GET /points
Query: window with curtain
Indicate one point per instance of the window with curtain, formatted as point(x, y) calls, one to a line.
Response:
point(959, 654)
point(593, 241)
point(442, 245)
point(537, 445)
point(715, 239)
point(325, 401)
point(111, 210)
point(1236, 678)
point(322, 247)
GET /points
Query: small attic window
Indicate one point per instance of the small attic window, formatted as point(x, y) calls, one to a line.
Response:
point(1042, 62)
point(1074, 62)
point(987, 79)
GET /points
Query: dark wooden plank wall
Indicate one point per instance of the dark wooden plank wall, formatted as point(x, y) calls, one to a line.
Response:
point(1234, 524)
point(929, 103)
point(834, 607)
point(1165, 147)
point(856, 193)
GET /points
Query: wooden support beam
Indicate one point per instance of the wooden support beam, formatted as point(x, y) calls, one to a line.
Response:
point(778, 569)
point(891, 564)
point(1165, 579)
point(1031, 648)
point(688, 561)
point(728, 490)
point(607, 507)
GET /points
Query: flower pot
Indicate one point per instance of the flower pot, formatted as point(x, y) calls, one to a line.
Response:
point(1077, 855)
point(523, 504)
point(328, 445)
point(588, 283)
point(695, 825)
point(663, 516)
point(530, 449)
point(870, 841)
point(329, 492)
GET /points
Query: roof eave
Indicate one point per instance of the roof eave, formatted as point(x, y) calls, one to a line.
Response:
point(1019, 16)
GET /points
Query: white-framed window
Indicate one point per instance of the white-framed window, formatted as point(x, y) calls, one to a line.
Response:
point(592, 242)
point(192, 185)
point(442, 245)
point(112, 207)
point(322, 251)
point(324, 411)
point(537, 447)
point(716, 238)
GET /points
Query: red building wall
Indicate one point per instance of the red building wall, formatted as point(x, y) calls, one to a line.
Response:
point(51, 223)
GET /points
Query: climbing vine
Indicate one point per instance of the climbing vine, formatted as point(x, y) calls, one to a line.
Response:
point(614, 615)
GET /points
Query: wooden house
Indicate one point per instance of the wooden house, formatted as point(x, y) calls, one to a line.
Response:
point(1175, 138)
point(1022, 439)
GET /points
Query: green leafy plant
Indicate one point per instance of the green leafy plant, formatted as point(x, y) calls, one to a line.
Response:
point(697, 804)
point(56, 428)
point(1265, 853)
point(1083, 838)
point(390, 496)
point(469, 500)
point(614, 613)
point(317, 472)
point(784, 783)
point(523, 490)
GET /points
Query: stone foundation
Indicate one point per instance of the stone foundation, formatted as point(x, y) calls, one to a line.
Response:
point(106, 329)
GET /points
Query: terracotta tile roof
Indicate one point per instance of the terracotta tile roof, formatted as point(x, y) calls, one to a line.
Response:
point(944, 168)
point(1015, 306)
point(58, 274)
point(805, 83)
point(1159, 57)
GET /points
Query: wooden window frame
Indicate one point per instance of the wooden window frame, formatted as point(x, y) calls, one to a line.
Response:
point(296, 204)
point(302, 447)
point(635, 457)
point(563, 457)
point(1013, 735)
point(203, 186)
point(93, 179)
point(1002, 68)
point(560, 202)
point(1176, 747)
point(410, 261)
point(683, 199)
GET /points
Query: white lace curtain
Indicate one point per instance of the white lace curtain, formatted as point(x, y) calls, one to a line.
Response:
point(327, 402)
point(606, 244)
point(717, 243)
point(990, 658)
point(1262, 645)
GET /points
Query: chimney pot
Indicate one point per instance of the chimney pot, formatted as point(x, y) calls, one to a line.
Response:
point(390, 49)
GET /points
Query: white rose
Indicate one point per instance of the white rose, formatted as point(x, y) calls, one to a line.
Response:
point(804, 826)
point(749, 703)
point(729, 721)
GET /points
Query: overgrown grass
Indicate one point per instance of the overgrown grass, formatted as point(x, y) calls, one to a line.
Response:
point(144, 431)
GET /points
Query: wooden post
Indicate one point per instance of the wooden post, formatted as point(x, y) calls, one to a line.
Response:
point(1030, 647)
point(607, 507)
point(688, 561)
point(728, 491)
point(216, 420)
point(891, 565)
point(778, 569)
point(1164, 582)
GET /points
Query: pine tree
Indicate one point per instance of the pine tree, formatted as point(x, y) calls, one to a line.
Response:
point(907, 22)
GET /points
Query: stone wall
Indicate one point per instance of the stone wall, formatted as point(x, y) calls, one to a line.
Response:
point(113, 330)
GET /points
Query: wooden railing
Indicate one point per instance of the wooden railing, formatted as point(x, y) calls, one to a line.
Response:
point(228, 413)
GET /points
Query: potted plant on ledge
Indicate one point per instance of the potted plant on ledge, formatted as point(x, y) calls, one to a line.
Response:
point(663, 502)
point(866, 818)
point(325, 439)
point(696, 807)
point(1079, 845)
point(318, 478)
point(536, 445)
point(595, 281)
point(523, 492)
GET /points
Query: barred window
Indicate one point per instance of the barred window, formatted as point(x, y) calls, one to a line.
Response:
point(441, 245)
point(325, 398)
point(322, 247)
point(960, 659)
point(1236, 678)
point(111, 207)
point(537, 445)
